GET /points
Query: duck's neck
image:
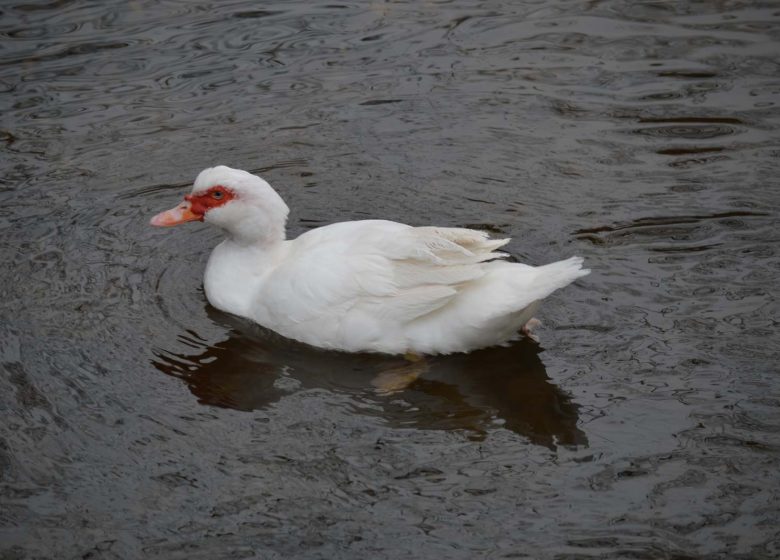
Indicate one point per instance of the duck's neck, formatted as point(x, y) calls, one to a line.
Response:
point(257, 233)
point(236, 271)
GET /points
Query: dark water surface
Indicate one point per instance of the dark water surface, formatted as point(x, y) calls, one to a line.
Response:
point(139, 422)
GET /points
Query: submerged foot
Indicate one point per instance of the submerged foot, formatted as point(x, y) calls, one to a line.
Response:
point(413, 357)
point(396, 379)
point(532, 323)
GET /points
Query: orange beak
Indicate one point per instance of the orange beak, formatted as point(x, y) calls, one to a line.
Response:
point(181, 214)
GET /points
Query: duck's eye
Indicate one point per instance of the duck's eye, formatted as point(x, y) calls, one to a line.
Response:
point(217, 195)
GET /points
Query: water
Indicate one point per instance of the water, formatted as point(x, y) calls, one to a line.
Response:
point(139, 422)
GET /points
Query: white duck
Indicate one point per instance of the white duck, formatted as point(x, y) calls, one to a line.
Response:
point(372, 285)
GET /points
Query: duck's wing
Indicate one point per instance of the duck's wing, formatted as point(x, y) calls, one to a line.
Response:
point(394, 271)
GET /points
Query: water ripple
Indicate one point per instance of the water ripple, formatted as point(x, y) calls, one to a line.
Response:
point(641, 135)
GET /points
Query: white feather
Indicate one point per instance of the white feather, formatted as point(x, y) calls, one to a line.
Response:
point(370, 285)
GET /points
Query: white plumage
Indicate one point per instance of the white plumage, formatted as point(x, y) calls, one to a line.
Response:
point(372, 285)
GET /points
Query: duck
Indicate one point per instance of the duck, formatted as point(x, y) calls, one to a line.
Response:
point(362, 286)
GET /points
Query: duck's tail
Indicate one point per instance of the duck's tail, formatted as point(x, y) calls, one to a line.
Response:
point(554, 276)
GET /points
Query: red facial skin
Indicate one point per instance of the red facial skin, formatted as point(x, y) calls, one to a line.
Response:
point(194, 208)
point(212, 198)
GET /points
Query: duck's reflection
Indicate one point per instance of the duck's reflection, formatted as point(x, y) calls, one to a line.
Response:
point(505, 386)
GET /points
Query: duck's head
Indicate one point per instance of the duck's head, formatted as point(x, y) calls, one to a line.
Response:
point(242, 204)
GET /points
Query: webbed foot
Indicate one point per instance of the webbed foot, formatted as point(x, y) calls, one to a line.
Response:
point(532, 323)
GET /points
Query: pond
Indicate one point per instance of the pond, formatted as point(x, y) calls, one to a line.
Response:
point(138, 421)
